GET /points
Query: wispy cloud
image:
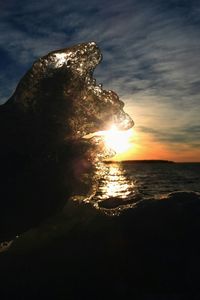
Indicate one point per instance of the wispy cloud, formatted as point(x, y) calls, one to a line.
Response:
point(189, 135)
point(150, 48)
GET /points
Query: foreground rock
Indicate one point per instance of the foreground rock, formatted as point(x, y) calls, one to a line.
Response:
point(150, 250)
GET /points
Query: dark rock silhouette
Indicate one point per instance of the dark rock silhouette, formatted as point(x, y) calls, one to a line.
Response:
point(43, 154)
point(150, 252)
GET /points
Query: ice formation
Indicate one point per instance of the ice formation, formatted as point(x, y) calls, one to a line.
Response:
point(44, 157)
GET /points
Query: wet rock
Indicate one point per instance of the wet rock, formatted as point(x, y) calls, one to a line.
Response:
point(114, 202)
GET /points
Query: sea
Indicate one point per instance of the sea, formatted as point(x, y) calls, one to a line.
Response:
point(123, 184)
point(139, 246)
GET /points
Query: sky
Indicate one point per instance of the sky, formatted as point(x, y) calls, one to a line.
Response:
point(151, 58)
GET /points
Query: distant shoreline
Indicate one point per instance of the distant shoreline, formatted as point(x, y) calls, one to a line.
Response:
point(141, 161)
point(156, 161)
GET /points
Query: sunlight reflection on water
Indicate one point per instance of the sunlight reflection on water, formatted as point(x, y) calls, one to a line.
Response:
point(115, 183)
point(116, 191)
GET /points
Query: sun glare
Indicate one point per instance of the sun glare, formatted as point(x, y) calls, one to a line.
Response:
point(117, 140)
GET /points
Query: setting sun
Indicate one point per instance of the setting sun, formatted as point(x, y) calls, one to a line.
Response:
point(117, 140)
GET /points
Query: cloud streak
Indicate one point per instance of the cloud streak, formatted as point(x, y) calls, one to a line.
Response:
point(150, 48)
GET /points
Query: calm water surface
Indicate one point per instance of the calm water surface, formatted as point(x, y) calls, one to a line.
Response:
point(133, 182)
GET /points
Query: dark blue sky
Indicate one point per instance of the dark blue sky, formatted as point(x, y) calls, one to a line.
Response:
point(151, 53)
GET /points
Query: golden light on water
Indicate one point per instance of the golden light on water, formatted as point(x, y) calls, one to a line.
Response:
point(116, 191)
point(116, 183)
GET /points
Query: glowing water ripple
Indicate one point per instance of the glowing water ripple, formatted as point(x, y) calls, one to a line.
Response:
point(116, 191)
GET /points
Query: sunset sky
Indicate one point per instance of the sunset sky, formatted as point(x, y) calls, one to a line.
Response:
point(151, 58)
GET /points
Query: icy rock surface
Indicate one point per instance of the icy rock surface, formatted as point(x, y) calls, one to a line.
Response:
point(44, 157)
point(58, 100)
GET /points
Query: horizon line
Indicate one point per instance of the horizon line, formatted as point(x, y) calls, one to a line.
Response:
point(149, 160)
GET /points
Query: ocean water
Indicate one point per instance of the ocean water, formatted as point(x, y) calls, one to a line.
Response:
point(131, 249)
point(123, 185)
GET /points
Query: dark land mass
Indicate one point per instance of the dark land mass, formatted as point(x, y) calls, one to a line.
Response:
point(156, 161)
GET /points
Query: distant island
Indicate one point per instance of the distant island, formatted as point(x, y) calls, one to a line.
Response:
point(140, 161)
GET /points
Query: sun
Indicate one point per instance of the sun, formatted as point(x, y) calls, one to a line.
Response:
point(117, 140)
